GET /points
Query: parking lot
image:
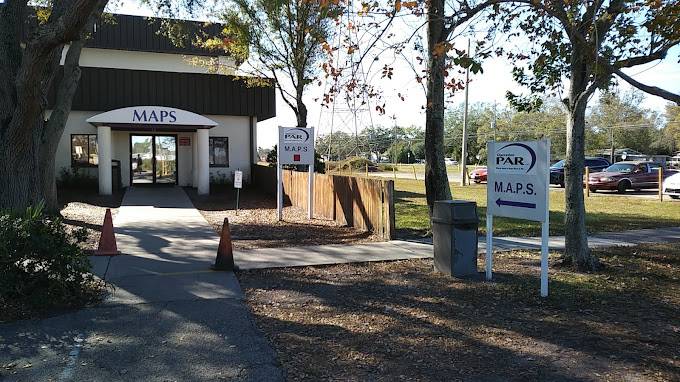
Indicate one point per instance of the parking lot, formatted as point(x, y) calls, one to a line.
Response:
point(644, 194)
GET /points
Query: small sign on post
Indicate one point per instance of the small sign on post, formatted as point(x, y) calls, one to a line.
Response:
point(238, 184)
point(296, 147)
point(518, 187)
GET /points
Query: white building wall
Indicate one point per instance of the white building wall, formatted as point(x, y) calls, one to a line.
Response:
point(121, 151)
point(237, 129)
point(185, 160)
point(164, 62)
point(76, 124)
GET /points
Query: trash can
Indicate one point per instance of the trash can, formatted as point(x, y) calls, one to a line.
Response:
point(454, 232)
point(116, 180)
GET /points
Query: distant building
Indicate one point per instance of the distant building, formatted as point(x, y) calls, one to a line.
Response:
point(158, 112)
point(627, 154)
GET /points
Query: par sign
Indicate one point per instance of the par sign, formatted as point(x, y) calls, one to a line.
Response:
point(518, 181)
point(296, 145)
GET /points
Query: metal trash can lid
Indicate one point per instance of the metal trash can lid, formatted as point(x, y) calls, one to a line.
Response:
point(454, 211)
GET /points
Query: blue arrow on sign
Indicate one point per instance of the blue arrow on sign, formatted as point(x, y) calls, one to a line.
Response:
point(501, 202)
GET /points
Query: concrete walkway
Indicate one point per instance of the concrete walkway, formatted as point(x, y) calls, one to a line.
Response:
point(169, 319)
point(403, 250)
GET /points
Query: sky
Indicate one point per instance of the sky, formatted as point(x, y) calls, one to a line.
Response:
point(487, 87)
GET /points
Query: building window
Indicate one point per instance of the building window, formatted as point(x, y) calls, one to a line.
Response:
point(219, 151)
point(84, 150)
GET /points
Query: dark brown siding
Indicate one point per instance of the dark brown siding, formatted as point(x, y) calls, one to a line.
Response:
point(142, 34)
point(102, 89)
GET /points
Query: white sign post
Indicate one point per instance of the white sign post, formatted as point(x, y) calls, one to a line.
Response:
point(296, 147)
point(518, 181)
point(238, 184)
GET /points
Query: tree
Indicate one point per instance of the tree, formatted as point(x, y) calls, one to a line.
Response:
point(443, 20)
point(671, 129)
point(632, 125)
point(284, 39)
point(31, 44)
point(588, 43)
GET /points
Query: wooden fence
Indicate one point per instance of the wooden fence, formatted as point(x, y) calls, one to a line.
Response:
point(363, 203)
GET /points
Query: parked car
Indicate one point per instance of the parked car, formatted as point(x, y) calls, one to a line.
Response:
point(594, 164)
point(671, 186)
point(629, 175)
point(478, 175)
point(450, 162)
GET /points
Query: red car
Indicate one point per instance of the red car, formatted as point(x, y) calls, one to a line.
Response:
point(478, 175)
point(623, 176)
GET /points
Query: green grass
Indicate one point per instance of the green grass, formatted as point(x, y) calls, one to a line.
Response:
point(604, 213)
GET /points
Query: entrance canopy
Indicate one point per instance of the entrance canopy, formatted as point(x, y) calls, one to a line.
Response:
point(152, 116)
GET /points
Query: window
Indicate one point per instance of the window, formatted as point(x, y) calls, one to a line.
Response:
point(596, 163)
point(84, 150)
point(219, 151)
point(558, 166)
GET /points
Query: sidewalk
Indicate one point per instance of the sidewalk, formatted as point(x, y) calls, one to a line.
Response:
point(403, 250)
point(169, 319)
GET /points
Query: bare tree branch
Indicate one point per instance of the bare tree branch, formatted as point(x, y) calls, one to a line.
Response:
point(665, 94)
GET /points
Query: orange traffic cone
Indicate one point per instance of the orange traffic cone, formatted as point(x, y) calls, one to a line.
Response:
point(225, 254)
point(107, 240)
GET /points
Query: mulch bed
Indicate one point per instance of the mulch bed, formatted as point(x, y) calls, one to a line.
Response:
point(85, 208)
point(399, 320)
point(257, 226)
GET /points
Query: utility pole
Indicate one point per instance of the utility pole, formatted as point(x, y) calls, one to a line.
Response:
point(493, 121)
point(463, 157)
point(613, 154)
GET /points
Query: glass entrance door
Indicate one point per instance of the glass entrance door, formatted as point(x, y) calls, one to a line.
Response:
point(141, 161)
point(153, 159)
point(166, 159)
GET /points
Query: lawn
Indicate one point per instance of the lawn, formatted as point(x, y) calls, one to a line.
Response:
point(399, 320)
point(604, 213)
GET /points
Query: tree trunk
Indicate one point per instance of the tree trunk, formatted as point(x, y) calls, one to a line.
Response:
point(54, 128)
point(27, 141)
point(436, 178)
point(301, 112)
point(576, 235)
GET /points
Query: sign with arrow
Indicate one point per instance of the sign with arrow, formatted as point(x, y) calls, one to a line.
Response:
point(518, 181)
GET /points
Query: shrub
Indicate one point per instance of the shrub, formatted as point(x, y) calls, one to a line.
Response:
point(388, 167)
point(41, 266)
point(355, 163)
point(77, 177)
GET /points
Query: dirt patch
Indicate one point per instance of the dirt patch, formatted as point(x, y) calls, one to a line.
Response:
point(85, 208)
point(401, 321)
point(257, 226)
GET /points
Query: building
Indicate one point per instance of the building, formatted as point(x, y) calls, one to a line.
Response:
point(158, 113)
point(627, 154)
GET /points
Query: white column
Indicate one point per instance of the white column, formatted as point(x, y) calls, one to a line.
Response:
point(253, 142)
point(194, 160)
point(104, 152)
point(203, 162)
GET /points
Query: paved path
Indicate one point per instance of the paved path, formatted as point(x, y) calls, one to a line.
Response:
point(169, 318)
point(402, 250)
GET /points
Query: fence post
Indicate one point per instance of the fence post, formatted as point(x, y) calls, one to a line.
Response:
point(587, 180)
point(661, 184)
point(389, 208)
point(414, 172)
point(367, 169)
